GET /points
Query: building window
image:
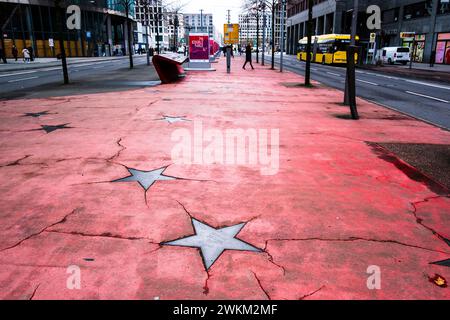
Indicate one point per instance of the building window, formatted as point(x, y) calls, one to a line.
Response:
point(418, 10)
point(390, 16)
point(443, 48)
point(444, 8)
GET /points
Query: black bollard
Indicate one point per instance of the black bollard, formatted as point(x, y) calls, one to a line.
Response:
point(351, 81)
point(228, 59)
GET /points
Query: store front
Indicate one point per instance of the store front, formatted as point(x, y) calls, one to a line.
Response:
point(419, 50)
point(443, 48)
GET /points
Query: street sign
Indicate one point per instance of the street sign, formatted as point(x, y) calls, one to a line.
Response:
point(373, 37)
point(405, 35)
point(88, 34)
point(231, 33)
point(51, 43)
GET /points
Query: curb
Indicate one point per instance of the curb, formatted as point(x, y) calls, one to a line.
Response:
point(58, 63)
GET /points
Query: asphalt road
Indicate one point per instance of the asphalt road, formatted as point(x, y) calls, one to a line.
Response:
point(425, 100)
point(89, 77)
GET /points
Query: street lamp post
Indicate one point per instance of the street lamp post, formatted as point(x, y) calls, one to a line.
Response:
point(257, 32)
point(264, 34)
point(273, 34)
point(59, 17)
point(201, 20)
point(282, 14)
point(308, 43)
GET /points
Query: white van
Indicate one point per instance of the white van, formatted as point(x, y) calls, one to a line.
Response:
point(392, 55)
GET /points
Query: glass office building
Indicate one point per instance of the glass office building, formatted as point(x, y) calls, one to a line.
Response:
point(34, 23)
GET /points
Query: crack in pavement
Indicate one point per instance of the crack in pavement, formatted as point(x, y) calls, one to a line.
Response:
point(310, 294)
point(261, 287)
point(350, 239)
point(205, 287)
point(420, 220)
point(102, 235)
point(16, 162)
point(117, 154)
point(271, 260)
point(34, 292)
point(64, 219)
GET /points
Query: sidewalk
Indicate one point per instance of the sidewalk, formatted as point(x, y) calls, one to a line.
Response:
point(38, 63)
point(337, 205)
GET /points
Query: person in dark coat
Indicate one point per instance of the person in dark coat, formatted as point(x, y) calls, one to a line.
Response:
point(248, 56)
point(15, 52)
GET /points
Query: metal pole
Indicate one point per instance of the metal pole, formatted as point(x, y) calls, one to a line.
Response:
point(352, 43)
point(59, 17)
point(157, 30)
point(282, 34)
point(129, 35)
point(264, 36)
point(257, 33)
point(147, 46)
point(354, 22)
point(201, 20)
point(308, 44)
point(273, 35)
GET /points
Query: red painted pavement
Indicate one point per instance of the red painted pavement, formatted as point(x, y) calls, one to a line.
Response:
point(336, 206)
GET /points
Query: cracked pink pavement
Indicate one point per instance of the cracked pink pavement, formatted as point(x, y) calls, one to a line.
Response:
point(334, 208)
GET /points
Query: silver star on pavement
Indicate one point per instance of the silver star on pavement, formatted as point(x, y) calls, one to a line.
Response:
point(146, 178)
point(174, 119)
point(213, 242)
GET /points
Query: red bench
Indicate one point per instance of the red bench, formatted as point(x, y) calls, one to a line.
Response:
point(169, 67)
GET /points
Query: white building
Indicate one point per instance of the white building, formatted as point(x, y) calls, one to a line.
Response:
point(248, 29)
point(175, 29)
point(198, 22)
point(152, 14)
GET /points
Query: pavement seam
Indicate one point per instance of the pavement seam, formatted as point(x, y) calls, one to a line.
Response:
point(359, 239)
point(102, 235)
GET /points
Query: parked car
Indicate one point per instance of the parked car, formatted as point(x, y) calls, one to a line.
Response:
point(393, 55)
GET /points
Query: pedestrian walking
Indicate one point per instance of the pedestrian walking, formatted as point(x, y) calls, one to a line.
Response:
point(3, 55)
point(26, 55)
point(248, 56)
point(31, 52)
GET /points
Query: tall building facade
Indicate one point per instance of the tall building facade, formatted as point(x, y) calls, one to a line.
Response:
point(151, 14)
point(34, 23)
point(248, 32)
point(429, 20)
point(199, 22)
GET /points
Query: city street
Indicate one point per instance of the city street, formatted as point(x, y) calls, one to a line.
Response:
point(146, 156)
point(116, 195)
point(425, 100)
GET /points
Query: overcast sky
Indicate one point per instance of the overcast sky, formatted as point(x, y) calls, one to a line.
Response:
point(217, 7)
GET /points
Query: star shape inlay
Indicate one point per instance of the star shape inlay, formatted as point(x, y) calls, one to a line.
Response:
point(146, 178)
point(36, 114)
point(213, 242)
point(49, 129)
point(173, 119)
point(445, 263)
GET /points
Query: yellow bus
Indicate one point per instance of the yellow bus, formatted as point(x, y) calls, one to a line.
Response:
point(326, 49)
